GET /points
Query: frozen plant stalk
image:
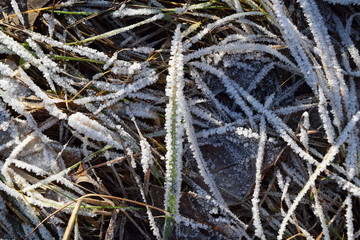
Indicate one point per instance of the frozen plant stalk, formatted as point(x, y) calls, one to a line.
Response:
point(174, 131)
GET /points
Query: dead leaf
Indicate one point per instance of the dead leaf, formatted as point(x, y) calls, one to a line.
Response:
point(33, 5)
point(28, 8)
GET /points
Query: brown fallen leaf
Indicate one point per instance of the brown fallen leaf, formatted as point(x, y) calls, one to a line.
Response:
point(28, 9)
point(32, 5)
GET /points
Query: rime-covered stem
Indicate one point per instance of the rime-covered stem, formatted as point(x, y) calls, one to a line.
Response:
point(17, 11)
point(120, 30)
point(324, 115)
point(255, 200)
point(174, 131)
point(349, 217)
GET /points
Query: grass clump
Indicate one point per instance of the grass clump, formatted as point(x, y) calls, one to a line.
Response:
point(226, 119)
